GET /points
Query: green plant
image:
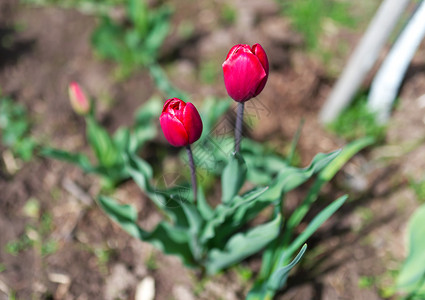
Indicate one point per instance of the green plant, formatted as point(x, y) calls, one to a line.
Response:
point(419, 189)
point(308, 16)
point(411, 279)
point(16, 246)
point(15, 129)
point(134, 42)
point(86, 6)
point(214, 238)
point(35, 236)
point(357, 121)
point(276, 263)
point(254, 182)
point(228, 14)
point(108, 149)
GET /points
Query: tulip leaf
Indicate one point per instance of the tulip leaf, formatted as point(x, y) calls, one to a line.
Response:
point(195, 222)
point(227, 219)
point(168, 201)
point(262, 163)
point(103, 146)
point(211, 111)
point(162, 83)
point(326, 175)
point(138, 13)
point(233, 178)
point(272, 276)
point(106, 39)
point(278, 278)
point(243, 245)
point(145, 129)
point(224, 214)
point(75, 158)
point(121, 139)
point(310, 229)
point(169, 239)
point(288, 178)
point(204, 208)
point(291, 177)
point(412, 275)
point(158, 31)
point(267, 289)
point(125, 215)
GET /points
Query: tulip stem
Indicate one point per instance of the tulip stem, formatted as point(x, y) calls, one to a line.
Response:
point(192, 172)
point(238, 129)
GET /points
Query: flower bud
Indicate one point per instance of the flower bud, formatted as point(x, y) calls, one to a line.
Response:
point(79, 101)
point(180, 122)
point(245, 71)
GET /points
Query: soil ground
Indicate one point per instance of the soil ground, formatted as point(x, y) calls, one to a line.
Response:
point(92, 258)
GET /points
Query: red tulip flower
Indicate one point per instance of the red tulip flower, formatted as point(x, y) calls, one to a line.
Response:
point(180, 122)
point(245, 71)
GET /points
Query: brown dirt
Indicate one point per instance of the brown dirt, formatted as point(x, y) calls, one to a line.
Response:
point(94, 258)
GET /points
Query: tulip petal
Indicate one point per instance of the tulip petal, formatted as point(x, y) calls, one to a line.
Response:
point(173, 129)
point(192, 122)
point(235, 49)
point(243, 74)
point(166, 104)
point(262, 56)
point(79, 101)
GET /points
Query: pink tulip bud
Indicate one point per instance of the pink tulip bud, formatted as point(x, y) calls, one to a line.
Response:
point(180, 122)
point(79, 101)
point(245, 71)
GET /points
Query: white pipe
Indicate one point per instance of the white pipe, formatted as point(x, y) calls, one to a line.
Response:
point(387, 81)
point(363, 58)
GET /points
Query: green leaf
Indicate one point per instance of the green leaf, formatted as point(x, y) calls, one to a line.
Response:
point(75, 158)
point(228, 219)
point(346, 154)
point(243, 245)
point(125, 215)
point(278, 278)
point(148, 111)
point(132, 40)
point(278, 254)
point(145, 128)
point(295, 142)
point(160, 26)
point(102, 144)
point(287, 179)
point(167, 201)
point(265, 289)
point(226, 214)
point(169, 239)
point(137, 11)
point(412, 274)
point(195, 222)
point(121, 139)
point(163, 84)
point(106, 40)
point(326, 175)
point(311, 228)
point(211, 111)
point(25, 148)
point(290, 177)
point(204, 208)
point(233, 177)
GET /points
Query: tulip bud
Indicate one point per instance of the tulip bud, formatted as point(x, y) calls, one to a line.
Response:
point(245, 71)
point(180, 122)
point(79, 101)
